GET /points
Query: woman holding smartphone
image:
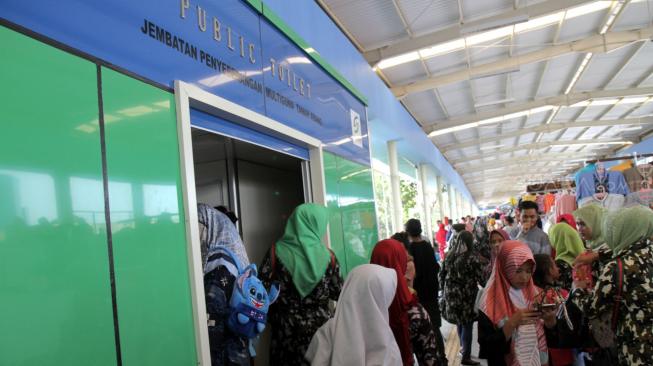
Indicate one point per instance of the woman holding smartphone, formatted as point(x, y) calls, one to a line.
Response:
point(512, 328)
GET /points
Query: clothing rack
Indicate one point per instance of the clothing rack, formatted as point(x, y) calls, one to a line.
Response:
point(619, 158)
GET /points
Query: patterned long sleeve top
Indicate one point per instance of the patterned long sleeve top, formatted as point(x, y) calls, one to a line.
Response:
point(422, 336)
point(294, 319)
point(634, 332)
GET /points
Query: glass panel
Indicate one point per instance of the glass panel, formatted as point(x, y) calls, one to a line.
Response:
point(54, 271)
point(350, 196)
point(149, 238)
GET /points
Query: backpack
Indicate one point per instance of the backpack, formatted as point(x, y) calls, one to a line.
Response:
point(237, 294)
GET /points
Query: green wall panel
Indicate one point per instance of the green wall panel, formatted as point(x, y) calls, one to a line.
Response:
point(350, 197)
point(55, 299)
point(331, 178)
point(149, 240)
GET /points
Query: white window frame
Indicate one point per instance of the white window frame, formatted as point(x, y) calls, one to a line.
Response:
point(187, 95)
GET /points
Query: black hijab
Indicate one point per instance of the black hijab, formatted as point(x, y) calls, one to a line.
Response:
point(426, 271)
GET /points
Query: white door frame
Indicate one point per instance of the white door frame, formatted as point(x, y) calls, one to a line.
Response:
point(187, 95)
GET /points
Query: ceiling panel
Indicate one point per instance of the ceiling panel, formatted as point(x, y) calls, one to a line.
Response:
point(457, 98)
point(601, 68)
point(559, 73)
point(474, 9)
point(489, 90)
point(566, 114)
point(362, 16)
point(582, 26)
point(618, 111)
point(639, 66)
point(424, 16)
point(637, 14)
point(525, 81)
point(526, 42)
point(424, 106)
point(405, 72)
point(447, 63)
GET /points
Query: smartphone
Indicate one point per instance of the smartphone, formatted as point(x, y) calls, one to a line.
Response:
point(548, 306)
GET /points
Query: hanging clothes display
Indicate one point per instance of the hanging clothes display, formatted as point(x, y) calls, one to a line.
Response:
point(637, 175)
point(622, 167)
point(549, 202)
point(540, 202)
point(591, 183)
point(529, 197)
point(565, 203)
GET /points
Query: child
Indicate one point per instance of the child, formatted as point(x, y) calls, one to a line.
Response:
point(545, 276)
point(510, 331)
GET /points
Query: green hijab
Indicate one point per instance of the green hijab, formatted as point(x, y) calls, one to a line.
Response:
point(592, 215)
point(300, 249)
point(566, 241)
point(626, 227)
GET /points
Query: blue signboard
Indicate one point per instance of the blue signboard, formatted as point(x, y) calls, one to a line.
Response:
point(224, 47)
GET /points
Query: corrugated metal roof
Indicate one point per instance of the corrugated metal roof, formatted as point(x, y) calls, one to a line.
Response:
point(510, 94)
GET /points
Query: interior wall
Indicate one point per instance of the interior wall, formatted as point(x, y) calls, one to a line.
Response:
point(268, 195)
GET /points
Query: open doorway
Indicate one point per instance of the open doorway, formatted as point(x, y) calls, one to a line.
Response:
point(260, 185)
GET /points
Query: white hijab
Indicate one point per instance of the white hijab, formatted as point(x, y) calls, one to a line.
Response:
point(359, 334)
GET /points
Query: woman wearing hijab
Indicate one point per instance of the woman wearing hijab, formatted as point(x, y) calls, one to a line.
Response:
point(496, 239)
point(627, 233)
point(461, 274)
point(568, 246)
point(589, 221)
point(510, 332)
point(218, 231)
point(425, 283)
point(409, 321)
point(567, 219)
point(359, 333)
point(309, 277)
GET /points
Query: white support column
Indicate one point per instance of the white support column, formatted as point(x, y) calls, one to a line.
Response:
point(393, 161)
point(443, 210)
point(452, 203)
point(423, 175)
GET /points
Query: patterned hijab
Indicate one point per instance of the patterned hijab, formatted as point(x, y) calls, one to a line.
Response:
point(391, 254)
point(626, 227)
point(219, 231)
point(592, 215)
point(495, 302)
point(301, 250)
point(567, 242)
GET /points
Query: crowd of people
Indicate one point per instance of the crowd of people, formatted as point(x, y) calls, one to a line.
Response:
point(580, 295)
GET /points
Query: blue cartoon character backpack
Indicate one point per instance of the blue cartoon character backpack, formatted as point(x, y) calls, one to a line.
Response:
point(249, 303)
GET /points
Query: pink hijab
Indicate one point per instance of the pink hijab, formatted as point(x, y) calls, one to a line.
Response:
point(495, 300)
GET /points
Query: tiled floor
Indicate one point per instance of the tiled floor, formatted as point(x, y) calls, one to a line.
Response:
point(452, 344)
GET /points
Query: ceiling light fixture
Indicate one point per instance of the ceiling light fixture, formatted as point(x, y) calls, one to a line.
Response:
point(497, 119)
point(580, 70)
point(491, 147)
point(494, 31)
point(553, 143)
point(491, 25)
point(494, 102)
